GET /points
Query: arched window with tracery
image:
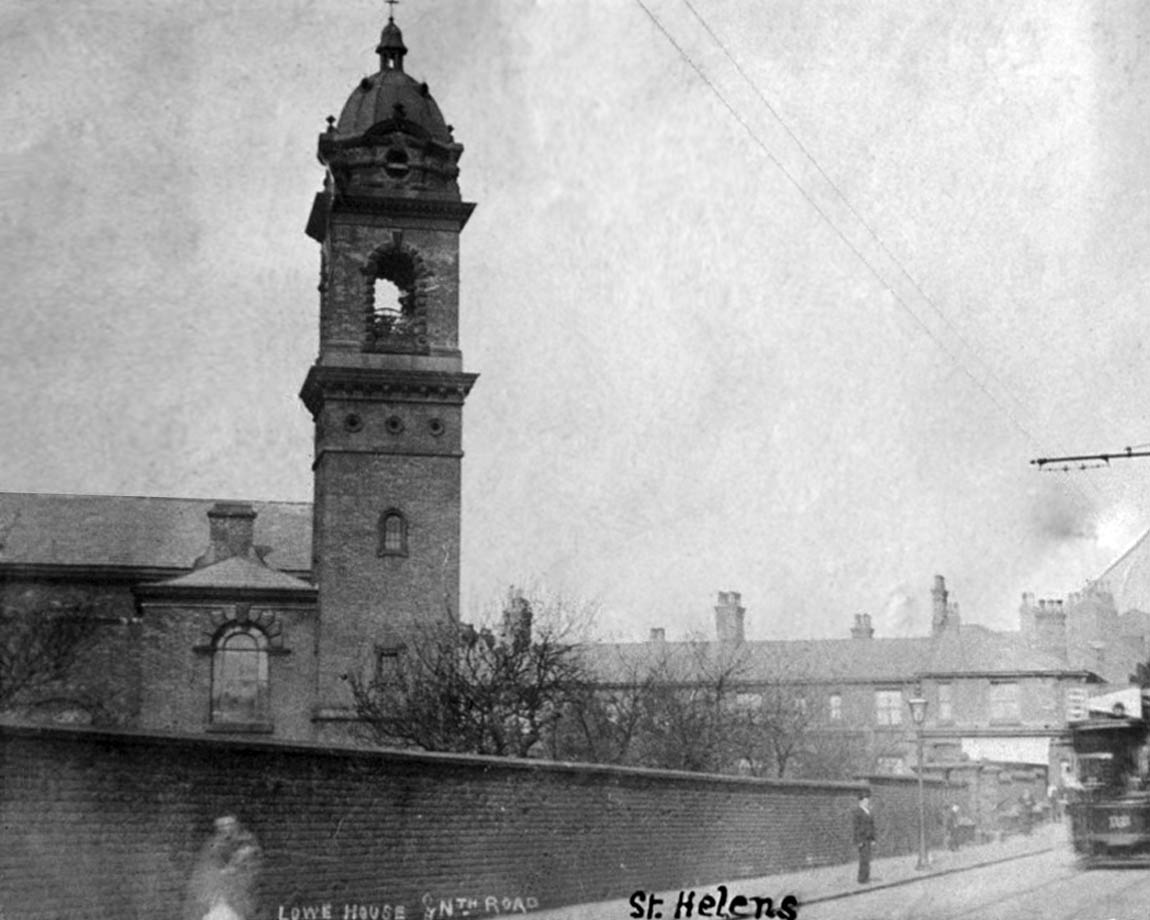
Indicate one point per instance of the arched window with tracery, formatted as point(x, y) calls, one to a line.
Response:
point(240, 677)
point(392, 533)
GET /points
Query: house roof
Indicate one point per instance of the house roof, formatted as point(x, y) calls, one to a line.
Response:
point(967, 649)
point(1128, 577)
point(128, 531)
point(971, 648)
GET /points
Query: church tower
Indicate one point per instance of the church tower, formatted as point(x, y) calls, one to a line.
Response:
point(388, 387)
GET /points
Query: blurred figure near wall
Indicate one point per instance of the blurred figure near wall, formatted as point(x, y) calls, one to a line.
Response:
point(224, 882)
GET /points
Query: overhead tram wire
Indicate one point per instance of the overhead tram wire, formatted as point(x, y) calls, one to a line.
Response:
point(1087, 461)
point(834, 227)
point(857, 216)
point(899, 299)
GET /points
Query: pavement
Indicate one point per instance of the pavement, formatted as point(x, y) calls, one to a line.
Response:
point(828, 883)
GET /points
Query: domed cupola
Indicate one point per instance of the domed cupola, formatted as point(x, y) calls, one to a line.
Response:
point(391, 139)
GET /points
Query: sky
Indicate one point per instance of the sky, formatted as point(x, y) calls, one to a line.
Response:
point(769, 297)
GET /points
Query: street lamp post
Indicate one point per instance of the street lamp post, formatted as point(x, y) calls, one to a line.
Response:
point(917, 705)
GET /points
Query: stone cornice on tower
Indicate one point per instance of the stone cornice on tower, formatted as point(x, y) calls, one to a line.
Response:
point(452, 213)
point(375, 383)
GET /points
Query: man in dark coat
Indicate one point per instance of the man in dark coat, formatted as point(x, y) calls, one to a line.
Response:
point(863, 835)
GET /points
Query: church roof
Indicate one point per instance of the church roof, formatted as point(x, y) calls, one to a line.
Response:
point(134, 532)
point(392, 95)
point(237, 572)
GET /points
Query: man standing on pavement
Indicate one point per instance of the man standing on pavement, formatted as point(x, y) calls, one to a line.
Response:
point(864, 835)
point(952, 815)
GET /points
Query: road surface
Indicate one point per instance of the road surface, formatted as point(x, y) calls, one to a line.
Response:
point(1048, 886)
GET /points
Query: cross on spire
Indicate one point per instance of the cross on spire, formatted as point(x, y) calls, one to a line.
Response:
point(391, 4)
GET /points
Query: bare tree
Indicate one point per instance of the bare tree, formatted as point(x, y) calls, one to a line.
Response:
point(785, 719)
point(690, 720)
point(603, 719)
point(455, 688)
point(832, 755)
point(698, 706)
point(39, 648)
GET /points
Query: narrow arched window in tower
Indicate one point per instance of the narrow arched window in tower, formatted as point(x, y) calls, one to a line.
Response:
point(392, 533)
point(240, 678)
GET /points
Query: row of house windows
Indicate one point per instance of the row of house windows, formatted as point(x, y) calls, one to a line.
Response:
point(1004, 704)
point(890, 707)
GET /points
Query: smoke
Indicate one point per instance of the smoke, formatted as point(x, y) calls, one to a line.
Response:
point(901, 614)
point(1057, 515)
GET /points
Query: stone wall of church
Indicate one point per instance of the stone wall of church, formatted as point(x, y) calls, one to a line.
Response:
point(100, 824)
point(102, 684)
point(152, 668)
point(176, 656)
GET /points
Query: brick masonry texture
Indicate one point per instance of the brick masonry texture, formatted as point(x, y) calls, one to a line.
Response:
point(109, 825)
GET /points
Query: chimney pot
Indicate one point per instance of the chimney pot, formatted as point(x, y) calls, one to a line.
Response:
point(862, 628)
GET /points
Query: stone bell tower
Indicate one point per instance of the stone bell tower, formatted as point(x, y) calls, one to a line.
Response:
point(388, 387)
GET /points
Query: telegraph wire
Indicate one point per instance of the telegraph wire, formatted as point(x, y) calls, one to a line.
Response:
point(837, 231)
point(955, 359)
point(857, 216)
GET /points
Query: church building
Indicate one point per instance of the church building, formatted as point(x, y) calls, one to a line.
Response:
point(248, 617)
point(236, 616)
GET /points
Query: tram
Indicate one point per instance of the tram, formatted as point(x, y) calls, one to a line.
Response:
point(1109, 810)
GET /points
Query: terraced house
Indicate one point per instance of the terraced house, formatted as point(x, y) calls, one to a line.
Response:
point(993, 697)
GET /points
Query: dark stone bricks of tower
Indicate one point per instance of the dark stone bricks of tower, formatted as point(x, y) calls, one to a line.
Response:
point(387, 389)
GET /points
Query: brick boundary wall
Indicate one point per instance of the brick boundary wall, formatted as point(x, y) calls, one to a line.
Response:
point(108, 825)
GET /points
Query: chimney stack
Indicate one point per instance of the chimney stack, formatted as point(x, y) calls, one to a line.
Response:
point(939, 606)
point(729, 617)
point(862, 628)
point(658, 634)
point(517, 621)
point(1048, 630)
point(1026, 611)
point(231, 527)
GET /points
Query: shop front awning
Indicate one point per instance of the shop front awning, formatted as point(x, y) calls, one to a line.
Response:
point(1034, 751)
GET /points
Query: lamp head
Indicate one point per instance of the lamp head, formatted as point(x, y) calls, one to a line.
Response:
point(917, 705)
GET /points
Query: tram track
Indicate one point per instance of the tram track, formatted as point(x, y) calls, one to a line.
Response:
point(1001, 905)
point(976, 908)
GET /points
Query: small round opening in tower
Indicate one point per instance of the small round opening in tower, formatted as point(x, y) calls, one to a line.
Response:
point(394, 424)
point(396, 164)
